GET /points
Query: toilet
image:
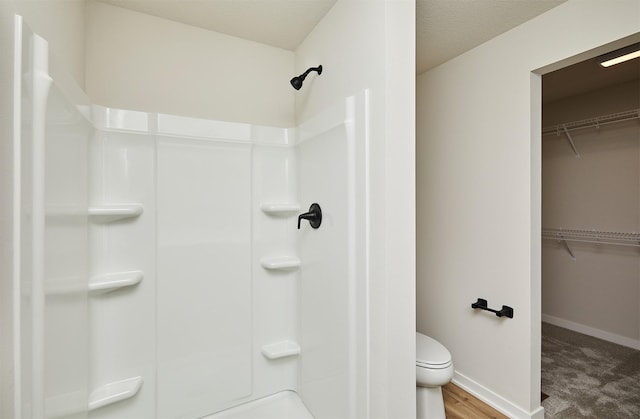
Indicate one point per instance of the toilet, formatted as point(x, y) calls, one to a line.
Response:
point(434, 368)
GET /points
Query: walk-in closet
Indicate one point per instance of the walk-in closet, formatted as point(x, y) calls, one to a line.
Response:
point(591, 240)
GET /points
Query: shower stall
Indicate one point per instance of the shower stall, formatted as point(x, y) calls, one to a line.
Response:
point(162, 273)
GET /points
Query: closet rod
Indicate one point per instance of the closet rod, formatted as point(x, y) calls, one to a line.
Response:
point(592, 236)
point(596, 122)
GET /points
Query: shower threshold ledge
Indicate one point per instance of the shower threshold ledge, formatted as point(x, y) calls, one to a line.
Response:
point(283, 405)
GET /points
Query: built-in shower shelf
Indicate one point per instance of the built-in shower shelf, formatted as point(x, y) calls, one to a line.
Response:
point(281, 349)
point(114, 281)
point(114, 392)
point(113, 212)
point(280, 208)
point(280, 263)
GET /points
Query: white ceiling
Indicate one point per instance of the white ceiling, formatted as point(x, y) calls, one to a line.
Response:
point(587, 76)
point(280, 23)
point(444, 28)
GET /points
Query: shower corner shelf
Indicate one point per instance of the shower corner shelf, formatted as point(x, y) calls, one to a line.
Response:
point(113, 281)
point(281, 349)
point(280, 263)
point(280, 208)
point(114, 392)
point(108, 213)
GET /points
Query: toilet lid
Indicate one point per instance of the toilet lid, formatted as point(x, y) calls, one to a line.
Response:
point(430, 352)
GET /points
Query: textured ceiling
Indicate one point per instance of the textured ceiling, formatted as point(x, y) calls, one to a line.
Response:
point(444, 28)
point(447, 28)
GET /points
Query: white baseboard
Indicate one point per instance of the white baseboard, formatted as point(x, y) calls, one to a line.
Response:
point(591, 331)
point(494, 400)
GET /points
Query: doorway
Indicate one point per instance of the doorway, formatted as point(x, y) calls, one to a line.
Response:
point(590, 240)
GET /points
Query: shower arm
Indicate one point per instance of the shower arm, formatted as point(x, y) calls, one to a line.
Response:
point(309, 70)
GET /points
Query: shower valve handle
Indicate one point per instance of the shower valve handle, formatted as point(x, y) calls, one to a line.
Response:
point(314, 216)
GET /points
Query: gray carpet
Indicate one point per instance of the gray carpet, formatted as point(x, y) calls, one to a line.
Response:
point(587, 377)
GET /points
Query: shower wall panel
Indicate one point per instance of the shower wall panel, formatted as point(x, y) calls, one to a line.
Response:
point(123, 331)
point(324, 332)
point(332, 159)
point(51, 180)
point(275, 292)
point(66, 259)
point(204, 275)
point(194, 326)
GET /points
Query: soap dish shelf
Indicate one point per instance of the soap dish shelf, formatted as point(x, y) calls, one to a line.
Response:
point(114, 392)
point(281, 349)
point(109, 213)
point(280, 263)
point(280, 208)
point(113, 281)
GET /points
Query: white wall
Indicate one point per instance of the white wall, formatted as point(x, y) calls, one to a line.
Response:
point(141, 62)
point(599, 191)
point(62, 23)
point(478, 197)
point(371, 45)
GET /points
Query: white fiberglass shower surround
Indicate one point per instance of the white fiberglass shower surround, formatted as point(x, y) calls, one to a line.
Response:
point(162, 273)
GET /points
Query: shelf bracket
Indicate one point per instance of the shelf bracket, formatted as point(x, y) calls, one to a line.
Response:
point(566, 244)
point(573, 146)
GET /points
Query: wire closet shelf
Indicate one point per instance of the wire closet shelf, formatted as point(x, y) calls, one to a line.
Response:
point(596, 122)
point(592, 236)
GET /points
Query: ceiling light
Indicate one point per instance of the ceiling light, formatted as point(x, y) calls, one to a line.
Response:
point(619, 56)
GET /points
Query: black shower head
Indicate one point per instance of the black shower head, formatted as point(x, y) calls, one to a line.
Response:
point(296, 82)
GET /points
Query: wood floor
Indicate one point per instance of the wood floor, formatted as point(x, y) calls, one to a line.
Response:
point(458, 404)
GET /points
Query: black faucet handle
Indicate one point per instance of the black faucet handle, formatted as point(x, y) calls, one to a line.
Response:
point(314, 216)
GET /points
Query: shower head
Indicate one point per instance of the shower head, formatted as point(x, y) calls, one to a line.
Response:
point(296, 82)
